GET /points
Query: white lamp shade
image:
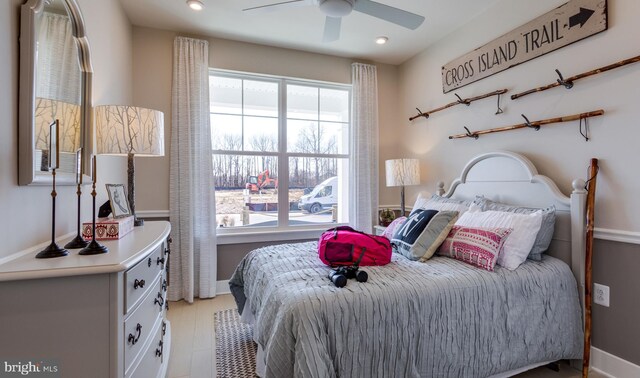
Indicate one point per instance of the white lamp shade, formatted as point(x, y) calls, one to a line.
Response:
point(121, 130)
point(68, 116)
point(402, 172)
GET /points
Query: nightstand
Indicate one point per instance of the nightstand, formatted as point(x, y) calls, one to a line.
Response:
point(378, 230)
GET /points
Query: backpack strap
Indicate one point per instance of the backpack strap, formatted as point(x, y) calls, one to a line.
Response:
point(357, 262)
point(349, 228)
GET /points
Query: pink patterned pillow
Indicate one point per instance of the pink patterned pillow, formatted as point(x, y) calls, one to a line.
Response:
point(475, 246)
point(391, 228)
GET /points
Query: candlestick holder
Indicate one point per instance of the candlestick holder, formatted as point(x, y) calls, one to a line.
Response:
point(53, 250)
point(78, 241)
point(94, 247)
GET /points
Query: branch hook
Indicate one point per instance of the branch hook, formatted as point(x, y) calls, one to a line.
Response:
point(471, 135)
point(421, 114)
point(562, 81)
point(461, 101)
point(528, 123)
point(499, 111)
point(584, 134)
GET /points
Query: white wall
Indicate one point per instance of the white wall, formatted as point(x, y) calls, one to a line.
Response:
point(152, 65)
point(557, 150)
point(26, 211)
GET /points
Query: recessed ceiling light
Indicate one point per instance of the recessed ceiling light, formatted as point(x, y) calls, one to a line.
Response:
point(381, 40)
point(196, 5)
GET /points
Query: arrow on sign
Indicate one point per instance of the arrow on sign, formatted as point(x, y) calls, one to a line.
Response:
point(580, 18)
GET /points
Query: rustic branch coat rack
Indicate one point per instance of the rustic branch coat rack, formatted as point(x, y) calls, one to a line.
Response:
point(460, 101)
point(588, 280)
point(534, 125)
point(568, 83)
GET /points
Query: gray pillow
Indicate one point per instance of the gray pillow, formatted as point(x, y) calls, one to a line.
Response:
point(422, 233)
point(436, 202)
point(543, 239)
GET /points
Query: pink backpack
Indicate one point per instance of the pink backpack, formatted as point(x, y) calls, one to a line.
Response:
point(344, 246)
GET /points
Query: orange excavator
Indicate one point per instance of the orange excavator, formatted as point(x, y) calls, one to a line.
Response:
point(262, 181)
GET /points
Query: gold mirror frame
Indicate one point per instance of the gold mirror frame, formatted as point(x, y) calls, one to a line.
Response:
point(30, 12)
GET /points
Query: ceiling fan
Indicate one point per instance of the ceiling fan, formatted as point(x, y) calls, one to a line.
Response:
point(336, 9)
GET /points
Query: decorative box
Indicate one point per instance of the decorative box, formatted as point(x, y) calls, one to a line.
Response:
point(108, 228)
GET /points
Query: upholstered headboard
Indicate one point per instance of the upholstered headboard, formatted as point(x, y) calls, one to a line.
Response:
point(511, 178)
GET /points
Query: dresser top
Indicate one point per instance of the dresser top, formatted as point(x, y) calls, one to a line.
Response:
point(123, 254)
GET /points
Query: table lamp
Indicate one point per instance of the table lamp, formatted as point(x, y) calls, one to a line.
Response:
point(129, 130)
point(402, 172)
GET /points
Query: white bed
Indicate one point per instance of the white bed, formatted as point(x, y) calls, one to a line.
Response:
point(274, 297)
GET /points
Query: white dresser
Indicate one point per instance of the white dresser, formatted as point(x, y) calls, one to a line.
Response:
point(90, 316)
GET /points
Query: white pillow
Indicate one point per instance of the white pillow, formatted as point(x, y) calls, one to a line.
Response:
point(519, 242)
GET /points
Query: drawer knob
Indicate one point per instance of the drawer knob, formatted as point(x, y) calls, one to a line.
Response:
point(164, 285)
point(159, 301)
point(160, 261)
point(138, 284)
point(166, 305)
point(149, 262)
point(164, 328)
point(134, 339)
point(159, 349)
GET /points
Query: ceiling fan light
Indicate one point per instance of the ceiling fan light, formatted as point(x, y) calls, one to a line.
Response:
point(196, 5)
point(336, 8)
point(382, 40)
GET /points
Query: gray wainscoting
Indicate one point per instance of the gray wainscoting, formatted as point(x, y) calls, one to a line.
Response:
point(616, 329)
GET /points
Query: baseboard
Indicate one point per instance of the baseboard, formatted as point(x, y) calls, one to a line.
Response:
point(222, 287)
point(612, 366)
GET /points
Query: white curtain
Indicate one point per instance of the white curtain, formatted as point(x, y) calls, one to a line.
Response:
point(363, 206)
point(58, 65)
point(191, 188)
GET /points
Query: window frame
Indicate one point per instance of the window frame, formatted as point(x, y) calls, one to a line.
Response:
point(283, 231)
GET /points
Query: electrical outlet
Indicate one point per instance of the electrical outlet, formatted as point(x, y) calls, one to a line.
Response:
point(601, 294)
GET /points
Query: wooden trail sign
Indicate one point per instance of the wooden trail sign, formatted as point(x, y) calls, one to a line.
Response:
point(571, 22)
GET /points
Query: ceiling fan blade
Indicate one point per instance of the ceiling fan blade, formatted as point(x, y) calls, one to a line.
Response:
point(397, 16)
point(276, 6)
point(332, 29)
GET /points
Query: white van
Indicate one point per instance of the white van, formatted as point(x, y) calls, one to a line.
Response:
point(323, 196)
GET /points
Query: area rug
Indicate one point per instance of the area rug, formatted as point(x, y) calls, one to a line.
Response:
point(235, 348)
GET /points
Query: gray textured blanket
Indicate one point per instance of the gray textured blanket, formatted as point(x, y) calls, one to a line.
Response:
point(442, 318)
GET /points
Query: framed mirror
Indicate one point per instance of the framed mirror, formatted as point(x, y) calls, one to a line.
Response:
point(55, 84)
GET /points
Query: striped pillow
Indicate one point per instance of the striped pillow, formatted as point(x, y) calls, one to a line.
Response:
point(475, 246)
point(544, 236)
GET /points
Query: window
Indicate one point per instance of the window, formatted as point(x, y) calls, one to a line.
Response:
point(280, 151)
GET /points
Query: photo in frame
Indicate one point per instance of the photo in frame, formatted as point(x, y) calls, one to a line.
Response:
point(118, 200)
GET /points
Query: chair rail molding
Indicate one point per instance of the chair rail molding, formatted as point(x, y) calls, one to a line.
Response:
point(630, 237)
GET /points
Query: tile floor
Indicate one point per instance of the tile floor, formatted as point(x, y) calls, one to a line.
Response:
point(193, 345)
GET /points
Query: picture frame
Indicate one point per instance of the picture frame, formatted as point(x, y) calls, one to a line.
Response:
point(118, 200)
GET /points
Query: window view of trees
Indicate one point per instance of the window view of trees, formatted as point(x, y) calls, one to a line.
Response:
point(246, 116)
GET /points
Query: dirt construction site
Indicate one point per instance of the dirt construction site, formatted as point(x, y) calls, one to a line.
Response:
point(230, 203)
point(233, 201)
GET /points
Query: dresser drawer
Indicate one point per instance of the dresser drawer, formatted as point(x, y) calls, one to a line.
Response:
point(152, 356)
point(141, 276)
point(139, 325)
